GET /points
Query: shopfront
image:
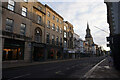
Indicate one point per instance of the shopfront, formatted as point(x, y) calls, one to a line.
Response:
point(13, 50)
point(54, 53)
point(38, 51)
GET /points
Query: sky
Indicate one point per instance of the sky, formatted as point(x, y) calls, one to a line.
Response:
point(79, 13)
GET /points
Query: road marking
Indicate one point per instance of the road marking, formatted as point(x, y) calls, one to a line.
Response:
point(19, 76)
point(90, 71)
point(57, 72)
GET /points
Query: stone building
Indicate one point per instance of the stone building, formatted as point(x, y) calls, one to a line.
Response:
point(16, 28)
point(53, 34)
point(68, 39)
point(31, 31)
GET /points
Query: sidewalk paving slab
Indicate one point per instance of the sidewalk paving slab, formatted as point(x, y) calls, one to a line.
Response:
point(105, 70)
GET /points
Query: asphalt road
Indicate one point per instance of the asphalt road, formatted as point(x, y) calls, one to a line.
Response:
point(67, 69)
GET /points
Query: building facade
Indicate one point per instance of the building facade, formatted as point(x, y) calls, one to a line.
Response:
point(76, 45)
point(31, 31)
point(16, 36)
point(53, 34)
point(68, 39)
point(113, 19)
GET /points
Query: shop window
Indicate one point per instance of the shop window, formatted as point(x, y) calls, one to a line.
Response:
point(9, 25)
point(11, 5)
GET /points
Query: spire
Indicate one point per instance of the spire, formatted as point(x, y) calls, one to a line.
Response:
point(88, 34)
point(87, 25)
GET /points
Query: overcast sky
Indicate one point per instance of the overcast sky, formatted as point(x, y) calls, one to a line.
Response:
point(78, 13)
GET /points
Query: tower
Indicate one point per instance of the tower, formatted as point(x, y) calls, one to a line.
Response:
point(88, 36)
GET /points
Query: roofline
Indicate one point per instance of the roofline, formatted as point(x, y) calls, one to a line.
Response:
point(53, 11)
point(68, 23)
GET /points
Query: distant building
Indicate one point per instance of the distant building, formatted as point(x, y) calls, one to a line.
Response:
point(89, 39)
point(76, 44)
point(68, 39)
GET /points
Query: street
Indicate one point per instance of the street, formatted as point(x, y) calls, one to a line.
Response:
point(67, 69)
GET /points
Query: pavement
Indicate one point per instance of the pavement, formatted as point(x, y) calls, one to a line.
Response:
point(103, 69)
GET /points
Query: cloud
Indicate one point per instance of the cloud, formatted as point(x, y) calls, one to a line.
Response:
point(78, 13)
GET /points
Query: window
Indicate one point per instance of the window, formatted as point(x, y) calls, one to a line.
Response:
point(48, 24)
point(60, 22)
point(24, 11)
point(53, 17)
point(23, 27)
point(39, 19)
point(38, 35)
point(57, 19)
point(48, 13)
point(53, 39)
point(11, 5)
point(57, 38)
point(65, 43)
point(40, 8)
point(53, 26)
point(9, 25)
point(48, 38)
point(65, 28)
point(57, 28)
point(26, 0)
point(60, 30)
point(65, 34)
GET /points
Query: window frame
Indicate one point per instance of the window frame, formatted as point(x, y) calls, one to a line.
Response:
point(10, 25)
point(24, 12)
point(48, 13)
point(53, 27)
point(39, 19)
point(48, 24)
point(11, 5)
point(23, 29)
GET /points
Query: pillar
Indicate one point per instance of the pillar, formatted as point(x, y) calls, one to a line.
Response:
point(27, 52)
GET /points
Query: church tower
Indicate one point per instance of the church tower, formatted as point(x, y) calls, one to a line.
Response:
point(88, 36)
